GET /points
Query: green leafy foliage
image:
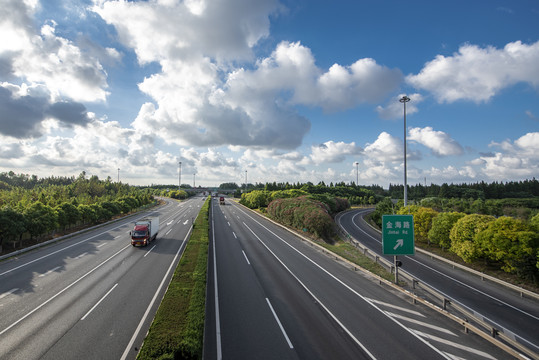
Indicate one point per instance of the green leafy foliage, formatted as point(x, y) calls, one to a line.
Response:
point(463, 236)
point(512, 242)
point(303, 213)
point(422, 220)
point(441, 227)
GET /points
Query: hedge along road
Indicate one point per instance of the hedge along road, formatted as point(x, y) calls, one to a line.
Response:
point(501, 307)
point(87, 296)
point(271, 295)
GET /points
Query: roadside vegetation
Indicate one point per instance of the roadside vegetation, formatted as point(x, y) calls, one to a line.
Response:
point(177, 331)
point(310, 213)
point(34, 210)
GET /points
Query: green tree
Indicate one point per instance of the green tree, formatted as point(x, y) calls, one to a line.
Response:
point(40, 219)
point(68, 214)
point(513, 243)
point(441, 227)
point(463, 233)
point(384, 207)
point(12, 225)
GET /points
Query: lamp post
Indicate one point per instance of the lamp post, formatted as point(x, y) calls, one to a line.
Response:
point(180, 177)
point(404, 100)
point(118, 174)
point(245, 180)
point(357, 173)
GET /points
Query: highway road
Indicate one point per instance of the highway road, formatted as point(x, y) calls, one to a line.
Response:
point(272, 295)
point(92, 296)
point(503, 308)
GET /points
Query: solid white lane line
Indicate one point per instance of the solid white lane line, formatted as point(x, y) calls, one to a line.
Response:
point(421, 323)
point(343, 284)
point(246, 259)
point(99, 302)
point(7, 293)
point(396, 307)
point(129, 347)
point(49, 272)
point(458, 346)
point(280, 325)
point(314, 297)
point(62, 291)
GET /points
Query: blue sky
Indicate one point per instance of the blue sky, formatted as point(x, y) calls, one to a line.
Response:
point(291, 90)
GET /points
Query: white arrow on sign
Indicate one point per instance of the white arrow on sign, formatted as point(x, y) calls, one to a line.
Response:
point(400, 242)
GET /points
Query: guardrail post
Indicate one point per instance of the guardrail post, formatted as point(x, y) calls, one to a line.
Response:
point(376, 259)
point(493, 332)
point(466, 327)
point(445, 302)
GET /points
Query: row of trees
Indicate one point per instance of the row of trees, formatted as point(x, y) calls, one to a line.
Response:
point(47, 207)
point(506, 242)
point(480, 190)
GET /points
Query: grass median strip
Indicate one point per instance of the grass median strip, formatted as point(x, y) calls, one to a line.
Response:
point(177, 331)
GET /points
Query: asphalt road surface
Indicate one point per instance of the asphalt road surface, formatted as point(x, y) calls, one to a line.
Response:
point(516, 316)
point(272, 295)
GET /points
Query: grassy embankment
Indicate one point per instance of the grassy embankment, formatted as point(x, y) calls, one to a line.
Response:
point(177, 331)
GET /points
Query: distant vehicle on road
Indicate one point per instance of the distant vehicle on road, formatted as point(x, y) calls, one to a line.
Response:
point(221, 200)
point(145, 231)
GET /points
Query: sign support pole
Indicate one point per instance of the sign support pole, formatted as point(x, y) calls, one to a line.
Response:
point(396, 270)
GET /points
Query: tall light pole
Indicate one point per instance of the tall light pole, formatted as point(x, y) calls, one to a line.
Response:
point(180, 177)
point(194, 181)
point(245, 180)
point(357, 173)
point(404, 100)
point(118, 174)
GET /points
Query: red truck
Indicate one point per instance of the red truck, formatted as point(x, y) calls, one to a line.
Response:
point(221, 200)
point(145, 230)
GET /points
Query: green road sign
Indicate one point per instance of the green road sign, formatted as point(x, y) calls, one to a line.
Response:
point(398, 235)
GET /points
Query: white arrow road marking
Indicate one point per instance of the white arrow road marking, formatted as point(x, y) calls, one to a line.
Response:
point(400, 242)
point(170, 222)
point(186, 222)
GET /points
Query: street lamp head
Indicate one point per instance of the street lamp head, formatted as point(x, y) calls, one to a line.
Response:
point(404, 99)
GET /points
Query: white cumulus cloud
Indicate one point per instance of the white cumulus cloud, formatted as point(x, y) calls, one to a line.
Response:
point(440, 143)
point(478, 74)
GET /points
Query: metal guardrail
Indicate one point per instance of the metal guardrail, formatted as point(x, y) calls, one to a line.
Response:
point(470, 320)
